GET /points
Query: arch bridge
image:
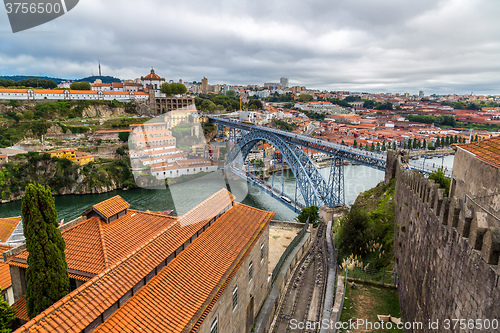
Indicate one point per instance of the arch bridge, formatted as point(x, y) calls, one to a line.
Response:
point(315, 188)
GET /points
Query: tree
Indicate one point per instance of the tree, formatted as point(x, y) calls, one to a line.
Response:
point(123, 136)
point(353, 233)
point(447, 142)
point(305, 98)
point(80, 86)
point(394, 145)
point(383, 146)
point(6, 316)
point(404, 146)
point(309, 213)
point(178, 88)
point(372, 148)
point(456, 139)
point(424, 144)
point(231, 93)
point(438, 142)
point(47, 273)
point(439, 177)
point(342, 143)
point(378, 146)
point(355, 144)
point(476, 138)
point(175, 88)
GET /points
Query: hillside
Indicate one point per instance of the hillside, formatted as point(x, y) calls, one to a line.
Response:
point(57, 80)
point(367, 231)
point(62, 175)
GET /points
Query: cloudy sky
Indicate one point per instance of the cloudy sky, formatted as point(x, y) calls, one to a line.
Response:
point(439, 46)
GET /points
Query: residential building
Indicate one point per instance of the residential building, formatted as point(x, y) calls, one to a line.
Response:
point(4, 159)
point(205, 271)
point(77, 157)
point(11, 234)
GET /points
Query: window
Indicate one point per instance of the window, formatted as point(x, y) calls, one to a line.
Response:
point(262, 251)
point(214, 328)
point(235, 297)
point(250, 270)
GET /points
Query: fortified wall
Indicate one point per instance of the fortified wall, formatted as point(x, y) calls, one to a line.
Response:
point(447, 254)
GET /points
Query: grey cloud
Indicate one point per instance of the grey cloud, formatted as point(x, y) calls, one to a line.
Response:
point(362, 45)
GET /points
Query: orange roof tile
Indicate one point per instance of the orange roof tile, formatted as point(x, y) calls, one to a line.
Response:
point(487, 150)
point(5, 280)
point(81, 307)
point(21, 309)
point(94, 245)
point(111, 206)
point(195, 279)
point(7, 226)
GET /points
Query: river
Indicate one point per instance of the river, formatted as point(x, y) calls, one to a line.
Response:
point(184, 196)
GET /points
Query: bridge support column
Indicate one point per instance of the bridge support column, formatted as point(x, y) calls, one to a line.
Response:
point(336, 183)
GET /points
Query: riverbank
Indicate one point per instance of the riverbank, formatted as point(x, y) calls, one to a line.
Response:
point(63, 176)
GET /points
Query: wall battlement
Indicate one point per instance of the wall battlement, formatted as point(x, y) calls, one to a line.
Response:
point(447, 253)
point(480, 228)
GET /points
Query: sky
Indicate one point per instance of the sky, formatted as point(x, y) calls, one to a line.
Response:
point(438, 46)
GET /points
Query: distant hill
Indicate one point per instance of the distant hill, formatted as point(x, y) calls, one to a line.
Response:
point(105, 79)
point(91, 79)
point(24, 77)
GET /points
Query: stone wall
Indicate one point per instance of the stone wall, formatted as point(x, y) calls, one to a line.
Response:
point(447, 255)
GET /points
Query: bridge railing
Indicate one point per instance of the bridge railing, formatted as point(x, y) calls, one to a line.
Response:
point(301, 137)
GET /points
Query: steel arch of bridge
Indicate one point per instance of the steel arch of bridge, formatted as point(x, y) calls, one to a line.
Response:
point(315, 189)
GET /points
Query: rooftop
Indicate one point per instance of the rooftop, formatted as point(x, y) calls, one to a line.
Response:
point(224, 244)
point(487, 150)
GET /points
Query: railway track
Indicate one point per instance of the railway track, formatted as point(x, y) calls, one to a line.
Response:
point(302, 305)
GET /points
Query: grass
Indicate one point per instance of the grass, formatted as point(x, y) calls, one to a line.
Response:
point(366, 302)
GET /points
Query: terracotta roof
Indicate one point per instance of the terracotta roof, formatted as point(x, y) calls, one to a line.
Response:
point(94, 245)
point(5, 280)
point(487, 150)
point(185, 291)
point(21, 309)
point(7, 226)
point(210, 207)
point(111, 206)
point(81, 307)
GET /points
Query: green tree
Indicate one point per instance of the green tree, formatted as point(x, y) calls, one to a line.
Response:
point(439, 177)
point(438, 142)
point(394, 145)
point(6, 316)
point(305, 98)
point(342, 143)
point(231, 93)
point(383, 146)
point(47, 273)
point(178, 88)
point(353, 232)
point(476, 138)
point(309, 213)
point(28, 114)
point(405, 146)
point(355, 144)
point(123, 136)
point(455, 140)
point(372, 148)
point(424, 144)
point(80, 86)
point(378, 146)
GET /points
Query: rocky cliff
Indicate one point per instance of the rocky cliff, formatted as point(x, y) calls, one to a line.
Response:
point(63, 176)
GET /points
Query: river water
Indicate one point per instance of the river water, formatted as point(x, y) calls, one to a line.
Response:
point(184, 196)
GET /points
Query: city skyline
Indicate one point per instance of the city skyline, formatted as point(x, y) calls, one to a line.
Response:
point(443, 47)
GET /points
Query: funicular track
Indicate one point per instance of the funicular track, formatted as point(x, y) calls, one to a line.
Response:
point(302, 305)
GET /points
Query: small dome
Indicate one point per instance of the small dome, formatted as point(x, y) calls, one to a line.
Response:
point(152, 76)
